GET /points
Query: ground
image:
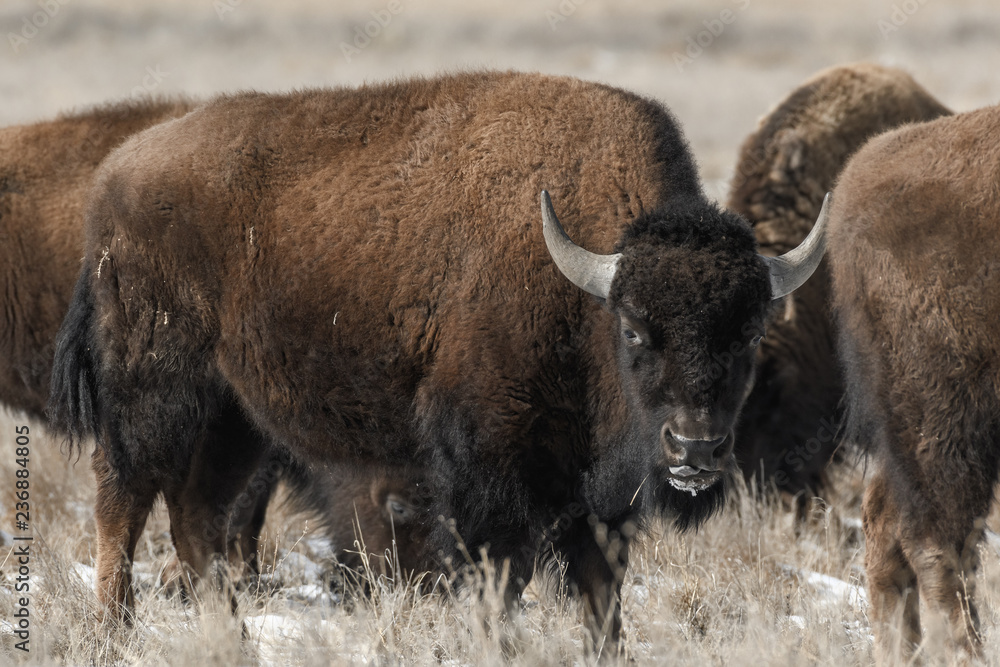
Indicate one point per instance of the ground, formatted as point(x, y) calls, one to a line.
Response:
point(750, 587)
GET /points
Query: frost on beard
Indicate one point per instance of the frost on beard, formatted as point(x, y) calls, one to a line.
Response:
point(691, 487)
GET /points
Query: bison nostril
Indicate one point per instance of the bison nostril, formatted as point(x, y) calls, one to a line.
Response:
point(720, 449)
point(696, 453)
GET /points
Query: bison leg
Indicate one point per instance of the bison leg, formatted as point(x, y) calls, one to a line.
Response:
point(596, 560)
point(892, 583)
point(224, 460)
point(245, 524)
point(945, 573)
point(248, 518)
point(940, 541)
point(120, 515)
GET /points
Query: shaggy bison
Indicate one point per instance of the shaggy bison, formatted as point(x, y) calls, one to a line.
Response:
point(787, 430)
point(46, 171)
point(375, 518)
point(363, 274)
point(916, 284)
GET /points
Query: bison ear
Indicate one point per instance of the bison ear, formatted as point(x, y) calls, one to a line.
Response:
point(791, 270)
point(589, 271)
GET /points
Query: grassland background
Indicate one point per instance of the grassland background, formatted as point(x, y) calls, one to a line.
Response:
point(746, 589)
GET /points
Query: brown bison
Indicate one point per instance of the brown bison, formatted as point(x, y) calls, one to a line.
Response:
point(375, 518)
point(915, 237)
point(787, 431)
point(46, 171)
point(363, 274)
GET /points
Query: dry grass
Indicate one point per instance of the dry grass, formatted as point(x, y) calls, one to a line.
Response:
point(747, 588)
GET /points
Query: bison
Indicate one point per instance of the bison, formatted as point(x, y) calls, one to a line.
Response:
point(916, 292)
point(46, 171)
point(786, 434)
point(362, 275)
point(374, 518)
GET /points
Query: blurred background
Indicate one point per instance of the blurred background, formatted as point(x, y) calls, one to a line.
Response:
point(719, 64)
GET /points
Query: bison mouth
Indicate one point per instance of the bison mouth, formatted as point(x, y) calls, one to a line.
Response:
point(692, 480)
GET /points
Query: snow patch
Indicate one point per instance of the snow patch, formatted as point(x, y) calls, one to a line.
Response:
point(830, 590)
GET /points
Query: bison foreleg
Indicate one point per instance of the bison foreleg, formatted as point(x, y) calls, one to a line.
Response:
point(596, 559)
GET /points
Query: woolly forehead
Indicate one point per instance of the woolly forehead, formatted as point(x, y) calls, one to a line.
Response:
point(698, 273)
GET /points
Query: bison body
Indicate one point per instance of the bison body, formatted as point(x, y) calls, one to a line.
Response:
point(363, 273)
point(914, 248)
point(46, 172)
point(787, 433)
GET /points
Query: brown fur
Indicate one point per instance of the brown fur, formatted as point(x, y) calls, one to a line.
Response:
point(378, 520)
point(363, 273)
point(913, 250)
point(788, 428)
point(46, 171)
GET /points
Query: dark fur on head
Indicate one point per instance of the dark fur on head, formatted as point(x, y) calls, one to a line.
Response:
point(709, 295)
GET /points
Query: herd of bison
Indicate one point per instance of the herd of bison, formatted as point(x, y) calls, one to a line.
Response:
point(354, 292)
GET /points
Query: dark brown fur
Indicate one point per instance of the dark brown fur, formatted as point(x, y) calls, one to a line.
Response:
point(787, 431)
point(914, 256)
point(380, 523)
point(46, 172)
point(362, 272)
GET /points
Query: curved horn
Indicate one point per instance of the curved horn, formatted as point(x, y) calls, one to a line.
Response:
point(790, 270)
point(589, 271)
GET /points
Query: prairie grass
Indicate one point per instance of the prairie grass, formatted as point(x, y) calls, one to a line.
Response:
point(750, 587)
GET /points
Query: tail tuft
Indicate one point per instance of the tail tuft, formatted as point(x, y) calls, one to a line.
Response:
point(73, 393)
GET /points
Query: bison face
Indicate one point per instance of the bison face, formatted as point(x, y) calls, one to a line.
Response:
point(689, 317)
point(690, 294)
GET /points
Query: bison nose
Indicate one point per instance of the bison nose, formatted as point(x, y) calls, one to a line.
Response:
point(692, 455)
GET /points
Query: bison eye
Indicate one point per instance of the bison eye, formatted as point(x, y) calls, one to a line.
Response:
point(634, 330)
point(400, 510)
point(755, 342)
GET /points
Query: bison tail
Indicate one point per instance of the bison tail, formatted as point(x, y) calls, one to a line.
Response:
point(73, 393)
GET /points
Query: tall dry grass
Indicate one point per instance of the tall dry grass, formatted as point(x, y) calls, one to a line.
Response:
point(750, 587)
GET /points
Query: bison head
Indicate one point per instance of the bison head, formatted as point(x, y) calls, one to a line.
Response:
point(690, 294)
